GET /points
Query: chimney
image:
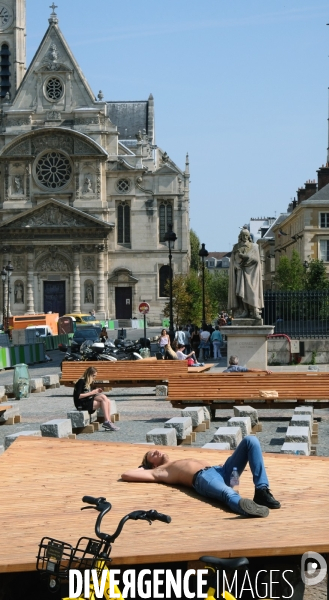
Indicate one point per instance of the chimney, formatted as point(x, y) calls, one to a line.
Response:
point(323, 176)
point(307, 191)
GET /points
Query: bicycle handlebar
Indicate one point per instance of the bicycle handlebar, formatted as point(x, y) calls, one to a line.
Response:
point(103, 507)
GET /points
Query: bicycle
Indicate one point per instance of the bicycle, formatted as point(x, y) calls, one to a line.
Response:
point(56, 558)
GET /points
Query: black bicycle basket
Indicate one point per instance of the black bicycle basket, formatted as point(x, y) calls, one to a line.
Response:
point(54, 557)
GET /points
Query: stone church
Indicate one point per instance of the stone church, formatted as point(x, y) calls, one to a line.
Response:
point(86, 196)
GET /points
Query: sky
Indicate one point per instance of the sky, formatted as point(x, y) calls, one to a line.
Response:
point(242, 86)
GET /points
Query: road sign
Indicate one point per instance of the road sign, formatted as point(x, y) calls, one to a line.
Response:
point(144, 308)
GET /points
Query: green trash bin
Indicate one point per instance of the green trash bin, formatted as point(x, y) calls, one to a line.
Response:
point(21, 381)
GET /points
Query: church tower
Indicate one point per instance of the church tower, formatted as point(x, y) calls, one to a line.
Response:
point(12, 46)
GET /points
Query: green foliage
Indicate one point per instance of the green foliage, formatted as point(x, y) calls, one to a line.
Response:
point(316, 276)
point(290, 273)
point(217, 288)
point(195, 247)
point(187, 296)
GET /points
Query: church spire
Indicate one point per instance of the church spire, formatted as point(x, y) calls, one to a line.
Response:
point(53, 19)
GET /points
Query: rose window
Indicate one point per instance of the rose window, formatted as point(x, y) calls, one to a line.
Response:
point(54, 88)
point(123, 186)
point(53, 170)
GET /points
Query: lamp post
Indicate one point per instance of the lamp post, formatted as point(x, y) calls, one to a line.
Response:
point(170, 237)
point(3, 277)
point(203, 253)
point(7, 271)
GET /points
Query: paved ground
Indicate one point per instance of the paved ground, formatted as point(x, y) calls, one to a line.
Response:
point(140, 410)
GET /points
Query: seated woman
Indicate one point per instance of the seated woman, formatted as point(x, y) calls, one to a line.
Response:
point(191, 356)
point(87, 399)
point(103, 335)
point(170, 354)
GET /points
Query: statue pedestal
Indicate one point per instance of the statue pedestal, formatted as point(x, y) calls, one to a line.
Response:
point(248, 343)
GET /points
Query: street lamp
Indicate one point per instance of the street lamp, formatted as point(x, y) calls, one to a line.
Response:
point(203, 253)
point(6, 273)
point(170, 237)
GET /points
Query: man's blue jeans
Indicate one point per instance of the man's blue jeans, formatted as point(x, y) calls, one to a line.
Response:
point(215, 481)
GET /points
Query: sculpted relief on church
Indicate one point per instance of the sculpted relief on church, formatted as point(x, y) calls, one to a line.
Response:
point(52, 216)
point(53, 263)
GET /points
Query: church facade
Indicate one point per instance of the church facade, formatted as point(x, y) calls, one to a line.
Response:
point(86, 196)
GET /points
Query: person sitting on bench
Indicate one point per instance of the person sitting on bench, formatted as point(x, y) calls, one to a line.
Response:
point(212, 482)
point(234, 367)
point(191, 355)
point(87, 399)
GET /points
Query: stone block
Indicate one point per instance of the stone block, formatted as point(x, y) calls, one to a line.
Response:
point(9, 414)
point(217, 446)
point(243, 422)
point(196, 414)
point(231, 435)
point(2, 392)
point(9, 439)
point(162, 437)
point(304, 410)
point(51, 381)
point(161, 390)
point(2, 449)
point(183, 426)
point(58, 428)
point(9, 389)
point(81, 418)
point(36, 385)
point(247, 411)
point(295, 448)
point(206, 414)
point(301, 421)
point(299, 434)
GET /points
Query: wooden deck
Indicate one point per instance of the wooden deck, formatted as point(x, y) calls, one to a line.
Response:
point(43, 481)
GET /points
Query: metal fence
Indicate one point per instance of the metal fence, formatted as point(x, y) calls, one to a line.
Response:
point(298, 314)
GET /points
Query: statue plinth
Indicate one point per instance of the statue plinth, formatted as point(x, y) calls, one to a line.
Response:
point(246, 322)
point(248, 343)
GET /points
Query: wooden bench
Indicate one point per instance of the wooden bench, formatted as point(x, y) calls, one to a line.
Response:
point(224, 390)
point(137, 373)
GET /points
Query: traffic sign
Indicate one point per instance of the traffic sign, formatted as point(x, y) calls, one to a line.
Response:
point(144, 308)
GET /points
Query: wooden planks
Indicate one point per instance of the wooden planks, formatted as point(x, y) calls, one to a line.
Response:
point(43, 480)
point(225, 389)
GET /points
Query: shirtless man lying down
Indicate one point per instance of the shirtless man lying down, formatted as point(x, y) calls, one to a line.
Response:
point(212, 482)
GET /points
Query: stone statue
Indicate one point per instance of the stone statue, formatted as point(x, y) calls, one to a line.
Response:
point(87, 187)
point(18, 188)
point(19, 293)
point(89, 293)
point(245, 296)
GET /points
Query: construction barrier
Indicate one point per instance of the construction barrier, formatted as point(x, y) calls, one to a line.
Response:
point(51, 341)
point(5, 360)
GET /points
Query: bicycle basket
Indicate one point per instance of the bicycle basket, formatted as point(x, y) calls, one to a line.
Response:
point(54, 557)
point(87, 552)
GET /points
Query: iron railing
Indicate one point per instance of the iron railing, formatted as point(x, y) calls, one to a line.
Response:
point(298, 314)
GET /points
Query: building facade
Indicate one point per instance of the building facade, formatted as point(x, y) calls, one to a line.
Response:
point(86, 196)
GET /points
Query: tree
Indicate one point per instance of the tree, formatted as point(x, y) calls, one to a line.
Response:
point(195, 247)
point(217, 288)
point(316, 277)
point(290, 273)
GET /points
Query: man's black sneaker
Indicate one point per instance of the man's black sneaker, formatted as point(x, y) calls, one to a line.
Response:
point(252, 509)
point(264, 497)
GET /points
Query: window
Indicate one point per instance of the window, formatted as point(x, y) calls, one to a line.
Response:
point(324, 220)
point(324, 250)
point(123, 223)
point(4, 70)
point(164, 275)
point(53, 170)
point(54, 89)
point(165, 218)
point(123, 186)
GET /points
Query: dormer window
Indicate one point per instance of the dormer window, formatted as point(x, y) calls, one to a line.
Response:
point(4, 70)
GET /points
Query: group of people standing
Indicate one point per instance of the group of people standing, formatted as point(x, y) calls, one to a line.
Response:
point(188, 342)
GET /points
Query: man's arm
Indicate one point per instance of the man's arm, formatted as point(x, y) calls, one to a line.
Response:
point(140, 475)
point(260, 371)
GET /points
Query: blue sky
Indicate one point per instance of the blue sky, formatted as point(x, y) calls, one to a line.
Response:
point(242, 86)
